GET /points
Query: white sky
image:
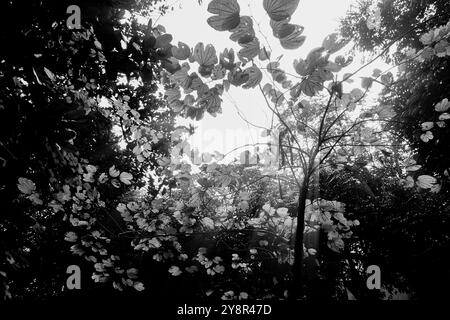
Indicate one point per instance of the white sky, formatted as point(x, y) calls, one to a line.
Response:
point(187, 23)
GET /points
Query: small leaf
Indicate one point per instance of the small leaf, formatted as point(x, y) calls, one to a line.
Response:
point(366, 82)
point(255, 77)
point(208, 222)
point(442, 106)
point(427, 125)
point(126, 178)
point(139, 286)
point(181, 52)
point(175, 271)
point(49, 74)
point(113, 172)
point(26, 186)
point(264, 54)
point(427, 136)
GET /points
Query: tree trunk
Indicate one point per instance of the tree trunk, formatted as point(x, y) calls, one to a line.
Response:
point(297, 283)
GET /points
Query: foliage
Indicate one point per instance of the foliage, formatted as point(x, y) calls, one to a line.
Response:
point(93, 162)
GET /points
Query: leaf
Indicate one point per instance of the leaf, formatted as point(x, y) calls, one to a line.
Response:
point(294, 40)
point(249, 50)
point(163, 162)
point(139, 286)
point(347, 78)
point(300, 67)
point(350, 295)
point(282, 212)
point(387, 78)
point(182, 52)
point(414, 167)
point(223, 23)
point(163, 41)
point(356, 94)
point(265, 133)
point(205, 56)
point(173, 94)
point(426, 181)
point(49, 74)
point(385, 112)
point(125, 178)
point(227, 14)
point(366, 82)
point(243, 30)
point(376, 73)
point(227, 59)
point(311, 85)
point(427, 136)
point(442, 106)
point(208, 222)
point(113, 172)
point(254, 77)
point(175, 271)
point(277, 26)
point(26, 186)
point(280, 9)
point(427, 125)
point(264, 54)
point(332, 43)
point(181, 77)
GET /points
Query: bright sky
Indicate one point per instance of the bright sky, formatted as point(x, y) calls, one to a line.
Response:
point(187, 23)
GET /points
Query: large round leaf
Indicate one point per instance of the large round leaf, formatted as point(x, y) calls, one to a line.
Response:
point(227, 14)
point(280, 9)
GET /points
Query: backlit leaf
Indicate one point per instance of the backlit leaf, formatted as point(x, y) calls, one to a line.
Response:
point(280, 9)
point(294, 40)
point(255, 77)
point(181, 52)
point(244, 29)
point(227, 14)
point(249, 50)
point(205, 56)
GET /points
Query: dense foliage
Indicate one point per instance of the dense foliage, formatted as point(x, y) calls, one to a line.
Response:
point(95, 172)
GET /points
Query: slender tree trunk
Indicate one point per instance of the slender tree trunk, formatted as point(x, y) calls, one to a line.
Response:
point(297, 283)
